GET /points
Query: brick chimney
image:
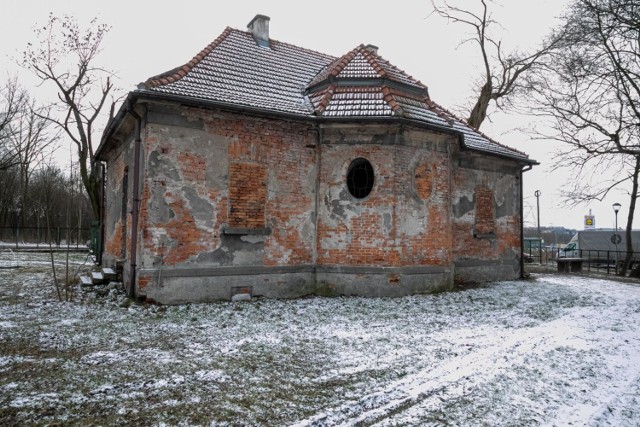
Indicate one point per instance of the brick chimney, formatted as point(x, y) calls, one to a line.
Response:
point(259, 27)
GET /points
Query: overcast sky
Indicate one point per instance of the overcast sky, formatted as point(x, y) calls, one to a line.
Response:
point(150, 37)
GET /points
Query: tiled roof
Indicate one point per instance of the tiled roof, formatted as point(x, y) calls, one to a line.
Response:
point(361, 63)
point(348, 101)
point(236, 70)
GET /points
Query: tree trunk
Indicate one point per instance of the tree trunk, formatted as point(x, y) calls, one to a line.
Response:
point(53, 264)
point(479, 111)
point(90, 182)
point(632, 208)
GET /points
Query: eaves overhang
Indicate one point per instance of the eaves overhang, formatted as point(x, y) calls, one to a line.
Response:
point(142, 95)
point(372, 82)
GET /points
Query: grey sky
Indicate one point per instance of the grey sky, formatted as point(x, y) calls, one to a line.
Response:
point(148, 38)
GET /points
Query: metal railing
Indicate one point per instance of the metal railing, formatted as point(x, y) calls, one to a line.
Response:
point(602, 261)
point(42, 238)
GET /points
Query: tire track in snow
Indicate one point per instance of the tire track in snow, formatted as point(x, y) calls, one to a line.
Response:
point(626, 404)
point(432, 387)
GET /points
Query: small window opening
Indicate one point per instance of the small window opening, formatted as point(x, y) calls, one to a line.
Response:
point(360, 178)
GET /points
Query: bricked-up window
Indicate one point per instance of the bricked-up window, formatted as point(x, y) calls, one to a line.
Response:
point(360, 178)
point(485, 223)
point(247, 195)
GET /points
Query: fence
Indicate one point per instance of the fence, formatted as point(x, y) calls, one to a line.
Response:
point(42, 238)
point(602, 261)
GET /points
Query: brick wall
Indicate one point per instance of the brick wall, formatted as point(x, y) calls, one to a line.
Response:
point(485, 220)
point(222, 169)
point(427, 198)
point(114, 244)
point(219, 169)
point(405, 220)
point(247, 195)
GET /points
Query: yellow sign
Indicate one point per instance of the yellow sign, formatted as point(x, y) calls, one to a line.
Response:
point(589, 222)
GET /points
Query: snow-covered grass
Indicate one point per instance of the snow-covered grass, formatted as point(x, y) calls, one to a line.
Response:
point(557, 350)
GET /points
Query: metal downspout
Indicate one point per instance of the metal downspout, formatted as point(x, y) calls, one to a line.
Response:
point(316, 242)
point(136, 203)
point(100, 247)
point(522, 171)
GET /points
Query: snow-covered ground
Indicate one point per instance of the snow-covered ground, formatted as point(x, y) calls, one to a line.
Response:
point(556, 350)
point(6, 245)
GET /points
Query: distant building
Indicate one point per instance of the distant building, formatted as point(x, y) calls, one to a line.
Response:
point(261, 167)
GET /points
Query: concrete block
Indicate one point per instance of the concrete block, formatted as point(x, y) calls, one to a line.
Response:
point(109, 273)
point(241, 297)
point(97, 277)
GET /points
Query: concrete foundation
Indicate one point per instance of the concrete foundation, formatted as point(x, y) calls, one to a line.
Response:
point(183, 285)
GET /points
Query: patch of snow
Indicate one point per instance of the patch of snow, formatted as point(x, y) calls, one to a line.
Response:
point(558, 350)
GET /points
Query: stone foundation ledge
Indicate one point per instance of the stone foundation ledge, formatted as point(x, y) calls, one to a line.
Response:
point(179, 285)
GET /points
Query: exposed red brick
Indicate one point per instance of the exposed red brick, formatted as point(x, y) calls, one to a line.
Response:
point(485, 217)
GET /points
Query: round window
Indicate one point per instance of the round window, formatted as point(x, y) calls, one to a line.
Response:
point(360, 178)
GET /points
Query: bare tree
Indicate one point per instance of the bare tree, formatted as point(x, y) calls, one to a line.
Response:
point(13, 101)
point(589, 88)
point(8, 181)
point(32, 139)
point(502, 71)
point(65, 57)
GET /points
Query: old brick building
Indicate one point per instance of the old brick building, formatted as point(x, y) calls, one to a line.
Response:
point(263, 167)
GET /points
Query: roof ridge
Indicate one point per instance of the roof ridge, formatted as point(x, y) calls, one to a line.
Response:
point(381, 62)
point(333, 68)
point(390, 98)
point(343, 61)
point(441, 111)
point(181, 71)
point(326, 98)
point(371, 58)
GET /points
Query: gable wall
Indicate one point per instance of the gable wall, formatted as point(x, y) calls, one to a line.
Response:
point(486, 218)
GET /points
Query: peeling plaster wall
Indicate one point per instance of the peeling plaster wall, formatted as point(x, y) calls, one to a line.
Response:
point(184, 189)
point(197, 213)
point(482, 254)
point(231, 202)
point(117, 204)
point(404, 222)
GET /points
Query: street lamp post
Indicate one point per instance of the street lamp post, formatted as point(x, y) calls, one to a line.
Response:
point(538, 193)
point(616, 237)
